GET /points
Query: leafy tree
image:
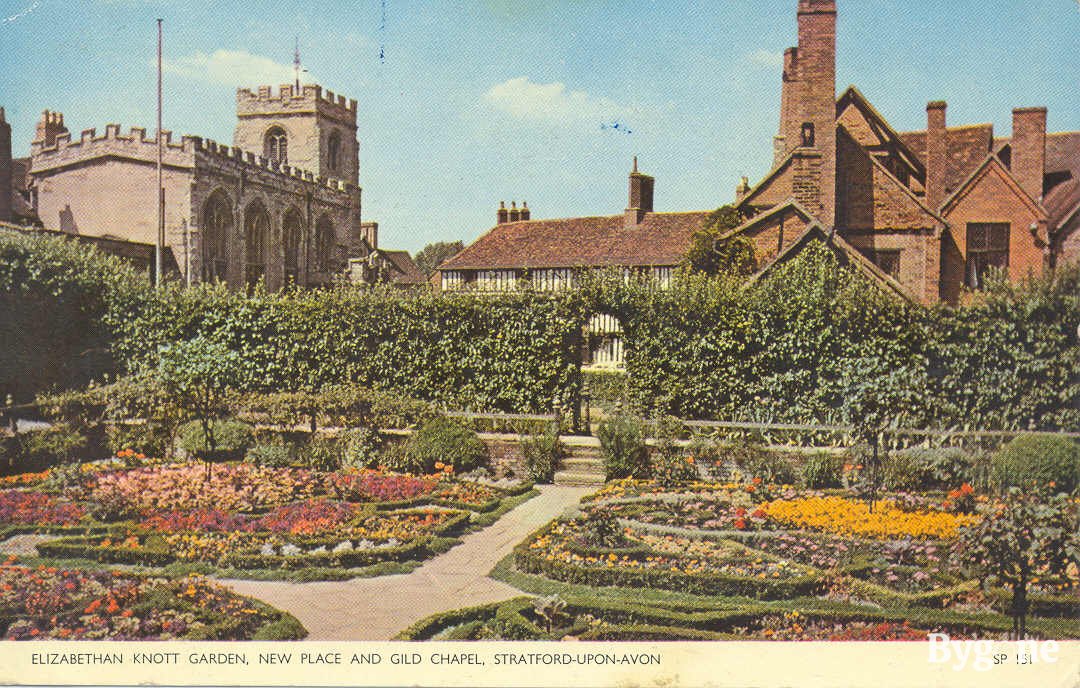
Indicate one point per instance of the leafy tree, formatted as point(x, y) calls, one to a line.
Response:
point(435, 253)
point(1027, 535)
point(198, 374)
point(711, 256)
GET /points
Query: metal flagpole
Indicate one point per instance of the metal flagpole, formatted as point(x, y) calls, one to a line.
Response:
point(159, 248)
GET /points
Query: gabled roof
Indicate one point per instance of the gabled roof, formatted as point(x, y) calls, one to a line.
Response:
point(408, 272)
point(791, 205)
point(1062, 202)
point(966, 148)
point(992, 163)
point(773, 174)
point(848, 254)
point(888, 136)
point(660, 239)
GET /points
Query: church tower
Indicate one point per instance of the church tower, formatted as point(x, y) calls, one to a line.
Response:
point(300, 126)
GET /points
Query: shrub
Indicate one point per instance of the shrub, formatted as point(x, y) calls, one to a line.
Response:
point(321, 454)
point(822, 470)
point(756, 461)
point(231, 440)
point(1042, 461)
point(441, 440)
point(939, 467)
point(271, 454)
point(361, 447)
point(59, 443)
point(622, 442)
point(905, 471)
point(542, 454)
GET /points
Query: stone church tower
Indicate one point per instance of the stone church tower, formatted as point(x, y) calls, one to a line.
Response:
point(309, 128)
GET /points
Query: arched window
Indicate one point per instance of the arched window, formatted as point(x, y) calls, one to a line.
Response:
point(217, 225)
point(276, 145)
point(333, 151)
point(257, 236)
point(325, 240)
point(293, 231)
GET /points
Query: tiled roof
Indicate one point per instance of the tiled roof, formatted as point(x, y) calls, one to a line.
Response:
point(1062, 200)
point(408, 271)
point(660, 239)
point(1062, 151)
point(968, 147)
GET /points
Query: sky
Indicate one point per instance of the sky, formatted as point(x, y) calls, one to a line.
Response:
point(466, 103)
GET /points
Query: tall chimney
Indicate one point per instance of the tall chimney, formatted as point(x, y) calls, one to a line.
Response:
point(815, 106)
point(49, 127)
point(1028, 162)
point(641, 197)
point(5, 168)
point(501, 215)
point(515, 214)
point(937, 154)
point(525, 214)
point(786, 139)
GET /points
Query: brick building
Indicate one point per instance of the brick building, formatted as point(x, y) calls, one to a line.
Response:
point(923, 213)
point(930, 210)
point(281, 205)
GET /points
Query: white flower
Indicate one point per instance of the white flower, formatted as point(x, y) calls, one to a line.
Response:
point(267, 550)
point(344, 546)
point(290, 550)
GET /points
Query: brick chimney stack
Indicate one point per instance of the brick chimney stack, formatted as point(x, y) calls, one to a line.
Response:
point(809, 109)
point(1028, 161)
point(49, 127)
point(641, 196)
point(785, 139)
point(501, 215)
point(937, 154)
point(515, 214)
point(5, 168)
point(525, 214)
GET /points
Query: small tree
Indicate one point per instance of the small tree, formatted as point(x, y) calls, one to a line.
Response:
point(432, 255)
point(198, 374)
point(711, 255)
point(1024, 536)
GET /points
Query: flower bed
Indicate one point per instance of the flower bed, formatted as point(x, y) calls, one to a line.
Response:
point(34, 508)
point(851, 517)
point(668, 562)
point(59, 604)
point(378, 486)
point(231, 487)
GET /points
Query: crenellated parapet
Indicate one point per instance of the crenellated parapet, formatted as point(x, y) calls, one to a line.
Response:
point(310, 98)
point(189, 152)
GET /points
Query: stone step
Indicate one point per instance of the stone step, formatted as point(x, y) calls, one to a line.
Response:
point(582, 464)
point(571, 478)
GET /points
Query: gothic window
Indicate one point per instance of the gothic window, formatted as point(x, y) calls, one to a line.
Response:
point(257, 239)
point(276, 145)
point(987, 249)
point(324, 245)
point(217, 225)
point(333, 152)
point(293, 231)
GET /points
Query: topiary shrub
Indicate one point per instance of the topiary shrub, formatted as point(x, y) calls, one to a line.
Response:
point(361, 447)
point(822, 471)
point(321, 454)
point(542, 454)
point(231, 438)
point(1049, 462)
point(622, 442)
point(442, 440)
point(939, 467)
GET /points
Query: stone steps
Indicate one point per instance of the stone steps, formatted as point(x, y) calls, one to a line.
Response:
point(583, 467)
point(572, 479)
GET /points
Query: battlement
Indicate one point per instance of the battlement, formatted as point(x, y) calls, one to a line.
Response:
point(287, 99)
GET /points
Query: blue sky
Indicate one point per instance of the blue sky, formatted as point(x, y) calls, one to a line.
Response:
point(473, 102)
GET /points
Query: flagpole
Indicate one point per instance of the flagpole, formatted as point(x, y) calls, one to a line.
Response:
point(159, 248)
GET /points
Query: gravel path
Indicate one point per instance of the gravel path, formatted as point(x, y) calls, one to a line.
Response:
point(379, 608)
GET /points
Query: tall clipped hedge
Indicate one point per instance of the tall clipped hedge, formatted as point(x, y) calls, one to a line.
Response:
point(62, 305)
point(516, 353)
point(802, 345)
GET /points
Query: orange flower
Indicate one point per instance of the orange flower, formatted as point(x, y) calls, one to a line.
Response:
point(756, 481)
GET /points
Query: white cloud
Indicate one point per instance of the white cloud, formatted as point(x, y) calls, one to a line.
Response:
point(523, 99)
point(766, 58)
point(232, 68)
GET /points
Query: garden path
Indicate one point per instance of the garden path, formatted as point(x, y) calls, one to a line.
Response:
point(379, 608)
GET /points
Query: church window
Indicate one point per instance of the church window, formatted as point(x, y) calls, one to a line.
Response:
point(324, 245)
point(257, 238)
point(217, 225)
point(333, 152)
point(293, 230)
point(276, 145)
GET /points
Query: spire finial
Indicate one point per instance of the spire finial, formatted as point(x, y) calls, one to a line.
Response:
point(296, 64)
point(635, 163)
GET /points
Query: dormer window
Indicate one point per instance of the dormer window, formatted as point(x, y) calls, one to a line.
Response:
point(808, 134)
point(276, 145)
